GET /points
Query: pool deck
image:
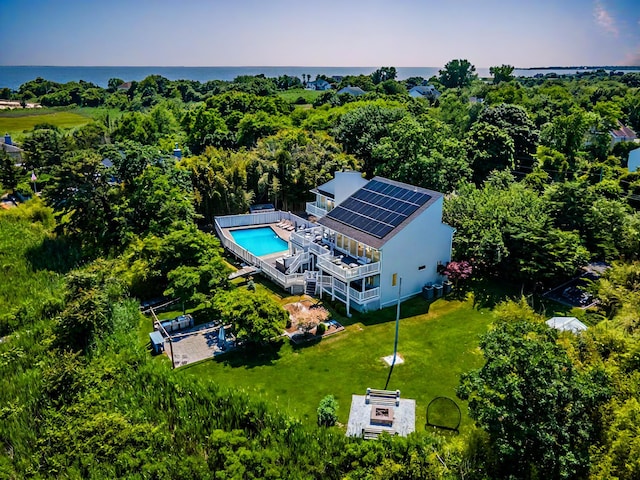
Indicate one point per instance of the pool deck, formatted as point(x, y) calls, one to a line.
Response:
point(281, 232)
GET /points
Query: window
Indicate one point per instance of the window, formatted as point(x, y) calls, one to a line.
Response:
point(422, 267)
point(394, 280)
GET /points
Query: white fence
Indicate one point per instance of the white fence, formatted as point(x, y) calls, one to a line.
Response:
point(231, 221)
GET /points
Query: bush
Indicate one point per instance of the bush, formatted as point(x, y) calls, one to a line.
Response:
point(328, 411)
point(321, 328)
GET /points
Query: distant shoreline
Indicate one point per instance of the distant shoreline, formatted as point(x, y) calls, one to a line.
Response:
point(13, 77)
point(583, 67)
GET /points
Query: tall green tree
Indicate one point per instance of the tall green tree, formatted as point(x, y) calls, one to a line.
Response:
point(84, 201)
point(457, 73)
point(383, 74)
point(489, 148)
point(360, 129)
point(256, 317)
point(9, 172)
point(535, 406)
point(503, 73)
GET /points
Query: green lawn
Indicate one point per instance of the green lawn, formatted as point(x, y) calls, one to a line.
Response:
point(16, 122)
point(438, 343)
point(293, 94)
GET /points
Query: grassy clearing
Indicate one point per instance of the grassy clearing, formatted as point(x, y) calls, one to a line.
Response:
point(19, 121)
point(293, 94)
point(438, 342)
point(27, 252)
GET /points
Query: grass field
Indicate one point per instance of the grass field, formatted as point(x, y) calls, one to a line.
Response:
point(437, 341)
point(17, 122)
point(294, 94)
point(14, 124)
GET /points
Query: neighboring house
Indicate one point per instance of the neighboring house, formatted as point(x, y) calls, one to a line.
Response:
point(476, 100)
point(13, 150)
point(622, 134)
point(334, 192)
point(124, 87)
point(355, 91)
point(427, 92)
point(319, 84)
point(634, 160)
point(383, 241)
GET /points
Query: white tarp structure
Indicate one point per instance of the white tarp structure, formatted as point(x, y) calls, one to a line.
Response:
point(567, 324)
point(634, 160)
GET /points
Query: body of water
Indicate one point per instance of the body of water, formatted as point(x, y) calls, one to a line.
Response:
point(14, 76)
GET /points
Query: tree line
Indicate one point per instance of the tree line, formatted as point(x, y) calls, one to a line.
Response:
point(532, 185)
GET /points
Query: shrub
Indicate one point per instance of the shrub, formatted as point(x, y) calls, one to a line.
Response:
point(321, 328)
point(328, 411)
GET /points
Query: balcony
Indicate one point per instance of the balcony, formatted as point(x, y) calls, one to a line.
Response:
point(313, 209)
point(357, 296)
point(347, 273)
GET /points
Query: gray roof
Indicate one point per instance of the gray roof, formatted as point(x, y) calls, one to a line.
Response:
point(371, 240)
point(10, 148)
point(426, 90)
point(567, 324)
point(355, 91)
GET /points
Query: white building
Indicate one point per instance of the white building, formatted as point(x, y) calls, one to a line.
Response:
point(375, 236)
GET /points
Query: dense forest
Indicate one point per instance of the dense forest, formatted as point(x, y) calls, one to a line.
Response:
point(534, 187)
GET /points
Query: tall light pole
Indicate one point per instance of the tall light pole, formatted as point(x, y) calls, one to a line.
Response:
point(395, 343)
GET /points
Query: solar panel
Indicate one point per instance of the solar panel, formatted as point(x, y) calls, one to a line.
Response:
point(378, 207)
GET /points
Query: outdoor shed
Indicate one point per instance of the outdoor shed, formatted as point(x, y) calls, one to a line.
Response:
point(157, 341)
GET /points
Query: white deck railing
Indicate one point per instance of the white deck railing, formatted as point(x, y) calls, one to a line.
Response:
point(313, 209)
point(331, 285)
point(259, 218)
point(297, 261)
point(346, 273)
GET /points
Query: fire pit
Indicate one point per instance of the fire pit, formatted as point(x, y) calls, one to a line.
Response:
point(381, 415)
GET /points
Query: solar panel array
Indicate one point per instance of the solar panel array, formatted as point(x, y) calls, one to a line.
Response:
point(378, 207)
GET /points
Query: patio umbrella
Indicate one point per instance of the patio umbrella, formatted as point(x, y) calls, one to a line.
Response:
point(221, 337)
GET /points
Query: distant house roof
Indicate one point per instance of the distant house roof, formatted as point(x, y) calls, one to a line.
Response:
point(357, 217)
point(476, 100)
point(623, 133)
point(319, 84)
point(424, 91)
point(10, 148)
point(125, 86)
point(567, 324)
point(355, 91)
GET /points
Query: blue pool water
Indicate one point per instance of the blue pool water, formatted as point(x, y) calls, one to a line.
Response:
point(259, 241)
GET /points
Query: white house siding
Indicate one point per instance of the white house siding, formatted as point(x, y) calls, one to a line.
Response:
point(346, 184)
point(425, 241)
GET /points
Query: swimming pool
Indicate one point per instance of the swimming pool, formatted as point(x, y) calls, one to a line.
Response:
point(259, 241)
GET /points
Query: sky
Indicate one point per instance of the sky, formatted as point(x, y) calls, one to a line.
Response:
point(401, 33)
